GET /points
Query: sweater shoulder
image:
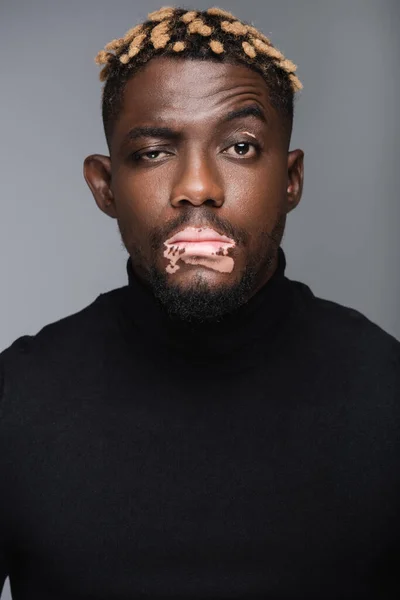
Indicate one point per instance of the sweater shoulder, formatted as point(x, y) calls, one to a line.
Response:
point(349, 320)
point(345, 329)
point(61, 338)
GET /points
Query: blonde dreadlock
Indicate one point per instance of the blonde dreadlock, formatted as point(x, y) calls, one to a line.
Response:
point(211, 33)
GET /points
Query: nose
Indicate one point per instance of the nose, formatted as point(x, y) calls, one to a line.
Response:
point(197, 183)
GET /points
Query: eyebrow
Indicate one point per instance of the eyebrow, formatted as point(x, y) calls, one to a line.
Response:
point(153, 132)
point(252, 110)
point(166, 133)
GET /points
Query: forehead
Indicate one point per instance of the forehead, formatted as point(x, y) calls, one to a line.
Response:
point(194, 90)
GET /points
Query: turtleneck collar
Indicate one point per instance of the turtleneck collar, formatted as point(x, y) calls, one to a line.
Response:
point(254, 323)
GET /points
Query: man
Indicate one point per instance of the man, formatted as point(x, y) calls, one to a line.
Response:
point(212, 429)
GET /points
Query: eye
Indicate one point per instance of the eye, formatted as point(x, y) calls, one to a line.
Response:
point(150, 155)
point(245, 149)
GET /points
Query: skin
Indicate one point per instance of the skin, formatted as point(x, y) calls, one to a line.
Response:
point(201, 173)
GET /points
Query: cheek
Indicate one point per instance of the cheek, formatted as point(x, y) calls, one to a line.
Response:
point(256, 197)
point(139, 203)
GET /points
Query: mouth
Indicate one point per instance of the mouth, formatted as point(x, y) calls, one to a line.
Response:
point(199, 246)
point(199, 235)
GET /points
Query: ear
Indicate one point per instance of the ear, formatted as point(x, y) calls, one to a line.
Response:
point(295, 178)
point(97, 173)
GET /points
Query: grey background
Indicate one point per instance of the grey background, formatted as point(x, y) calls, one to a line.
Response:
point(58, 252)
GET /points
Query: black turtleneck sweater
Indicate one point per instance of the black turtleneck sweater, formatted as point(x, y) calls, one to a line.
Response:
point(257, 458)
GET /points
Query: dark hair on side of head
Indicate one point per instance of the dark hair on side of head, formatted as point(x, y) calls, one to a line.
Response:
point(214, 35)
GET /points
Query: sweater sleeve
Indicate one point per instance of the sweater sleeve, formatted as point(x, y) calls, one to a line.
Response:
point(3, 558)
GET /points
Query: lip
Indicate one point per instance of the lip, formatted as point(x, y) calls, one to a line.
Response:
point(199, 235)
point(203, 248)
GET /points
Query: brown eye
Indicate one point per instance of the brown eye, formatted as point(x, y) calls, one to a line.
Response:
point(150, 155)
point(244, 149)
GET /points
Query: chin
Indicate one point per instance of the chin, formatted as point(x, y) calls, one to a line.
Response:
point(191, 278)
point(200, 295)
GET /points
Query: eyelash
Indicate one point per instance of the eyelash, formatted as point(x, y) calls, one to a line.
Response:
point(140, 156)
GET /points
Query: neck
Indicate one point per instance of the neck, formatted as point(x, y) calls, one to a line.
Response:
point(271, 267)
point(251, 326)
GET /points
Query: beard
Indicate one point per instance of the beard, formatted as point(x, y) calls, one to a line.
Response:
point(202, 303)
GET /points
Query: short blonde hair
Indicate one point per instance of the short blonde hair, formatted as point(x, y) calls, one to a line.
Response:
point(214, 33)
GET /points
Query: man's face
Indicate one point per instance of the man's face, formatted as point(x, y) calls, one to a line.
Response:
point(198, 146)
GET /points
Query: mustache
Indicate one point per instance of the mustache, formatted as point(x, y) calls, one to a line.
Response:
point(192, 218)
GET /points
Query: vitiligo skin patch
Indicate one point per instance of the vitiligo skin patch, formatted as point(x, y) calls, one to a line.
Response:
point(199, 246)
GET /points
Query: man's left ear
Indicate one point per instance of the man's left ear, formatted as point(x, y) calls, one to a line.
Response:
point(97, 172)
point(295, 178)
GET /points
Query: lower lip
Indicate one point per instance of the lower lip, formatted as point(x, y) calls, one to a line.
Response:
point(203, 248)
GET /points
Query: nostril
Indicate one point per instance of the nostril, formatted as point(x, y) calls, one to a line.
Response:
point(196, 202)
point(184, 201)
point(197, 197)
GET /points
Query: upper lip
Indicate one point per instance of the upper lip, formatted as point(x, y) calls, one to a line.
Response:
point(193, 234)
